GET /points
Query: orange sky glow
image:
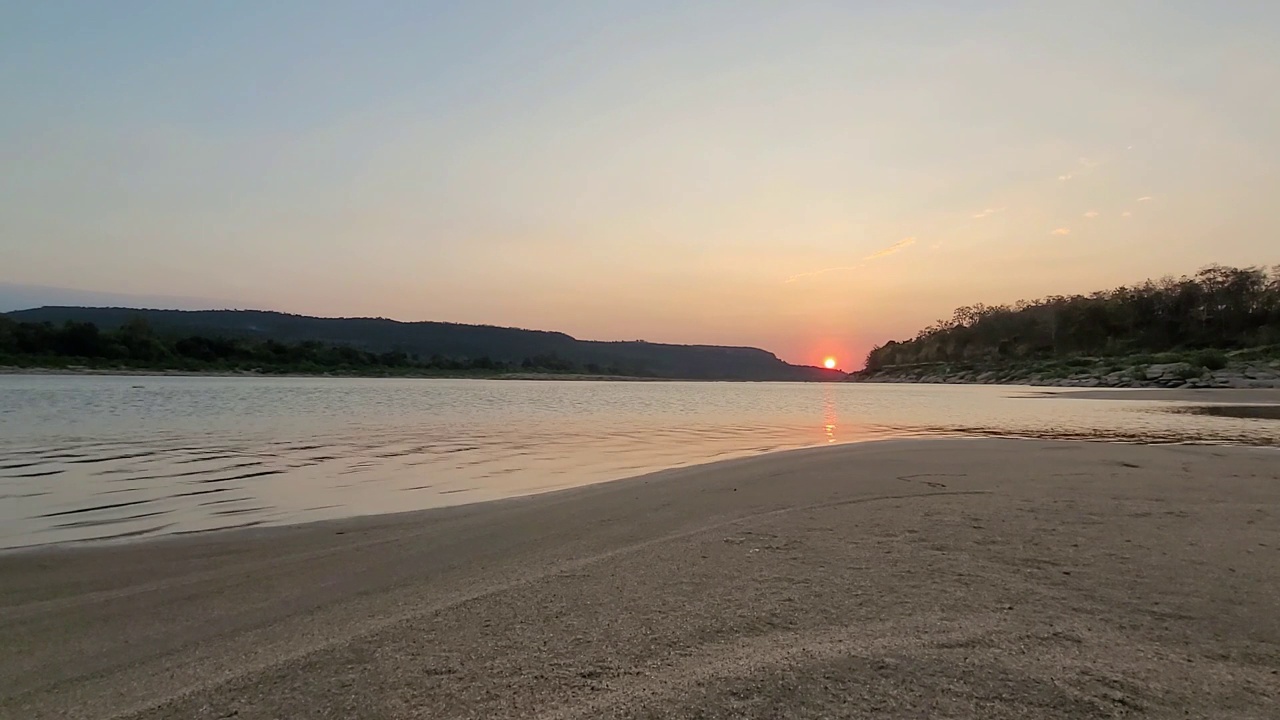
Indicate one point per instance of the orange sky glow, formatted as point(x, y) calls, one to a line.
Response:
point(809, 178)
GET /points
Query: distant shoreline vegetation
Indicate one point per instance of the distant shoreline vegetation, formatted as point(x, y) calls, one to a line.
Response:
point(135, 346)
point(1217, 328)
point(282, 342)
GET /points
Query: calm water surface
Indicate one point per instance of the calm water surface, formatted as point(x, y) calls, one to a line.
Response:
point(93, 458)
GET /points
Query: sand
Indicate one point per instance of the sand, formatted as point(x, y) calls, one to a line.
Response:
point(918, 579)
point(1206, 395)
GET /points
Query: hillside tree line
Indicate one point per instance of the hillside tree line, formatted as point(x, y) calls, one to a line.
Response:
point(135, 345)
point(1219, 308)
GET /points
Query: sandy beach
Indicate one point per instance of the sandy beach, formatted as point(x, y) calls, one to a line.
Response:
point(1261, 396)
point(916, 578)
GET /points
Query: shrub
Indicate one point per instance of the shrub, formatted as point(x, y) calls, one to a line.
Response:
point(1190, 371)
point(1210, 359)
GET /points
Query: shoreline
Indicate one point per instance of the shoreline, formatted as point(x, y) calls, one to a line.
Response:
point(139, 372)
point(997, 578)
point(1255, 404)
point(1234, 396)
point(534, 376)
point(1149, 372)
point(263, 532)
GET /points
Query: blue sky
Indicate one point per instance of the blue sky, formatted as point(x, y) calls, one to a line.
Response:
point(810, 177)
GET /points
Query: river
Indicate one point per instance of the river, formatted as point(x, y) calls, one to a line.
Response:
point(109, 458)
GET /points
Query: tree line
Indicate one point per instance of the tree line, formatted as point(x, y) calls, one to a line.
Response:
point(1219, 308)
point(136, 345)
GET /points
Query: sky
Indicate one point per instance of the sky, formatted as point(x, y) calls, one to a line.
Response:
point(808, 177)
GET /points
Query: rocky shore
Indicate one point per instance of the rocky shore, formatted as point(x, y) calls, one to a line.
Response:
point(1180, 374)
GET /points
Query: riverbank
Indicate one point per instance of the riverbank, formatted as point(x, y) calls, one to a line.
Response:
point(941, 578)
point(443, 374)
point(1158, 372)
point(1256, 396)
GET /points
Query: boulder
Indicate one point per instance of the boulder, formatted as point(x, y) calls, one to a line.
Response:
point(1258, 373)
point(1172, 371)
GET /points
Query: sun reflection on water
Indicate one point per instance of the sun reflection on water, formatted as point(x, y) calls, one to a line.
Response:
point(829, 417)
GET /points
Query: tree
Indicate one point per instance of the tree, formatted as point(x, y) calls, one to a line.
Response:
point(78, 340)
point(1219, 307)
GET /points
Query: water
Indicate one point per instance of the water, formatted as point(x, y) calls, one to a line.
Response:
point(96, 458)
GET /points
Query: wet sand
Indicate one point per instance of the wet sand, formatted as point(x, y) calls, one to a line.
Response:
point(1209, 395)
point(930, 578)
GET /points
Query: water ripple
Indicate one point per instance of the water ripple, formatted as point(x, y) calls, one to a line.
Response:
point(223, 453)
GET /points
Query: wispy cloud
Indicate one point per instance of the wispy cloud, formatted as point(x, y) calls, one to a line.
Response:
point(1084, 166)
point(987, 213)
point(885, 252)
point(1145, 198)
point(1091, 214)
point(1126, 214)
point(896, 247)
point(1062, 231)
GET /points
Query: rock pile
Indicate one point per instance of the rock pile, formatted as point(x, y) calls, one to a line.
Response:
point(1163, 375)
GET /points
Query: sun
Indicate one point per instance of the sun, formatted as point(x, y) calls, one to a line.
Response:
point(829, 363)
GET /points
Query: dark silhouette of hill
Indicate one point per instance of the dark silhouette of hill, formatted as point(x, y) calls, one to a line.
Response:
point(512, 346)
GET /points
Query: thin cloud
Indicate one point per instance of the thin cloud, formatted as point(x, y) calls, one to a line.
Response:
point(1084, 167)
point(1062, 231)
point(1091, 214)
point(1145, 198)
point(896, 247)
point(1126, 214)
point(987, 213)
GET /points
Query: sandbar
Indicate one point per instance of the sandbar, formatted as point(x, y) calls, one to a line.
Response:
point(1254, 396)
point(943, 578)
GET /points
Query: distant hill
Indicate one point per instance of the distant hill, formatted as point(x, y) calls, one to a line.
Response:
point(511, 345)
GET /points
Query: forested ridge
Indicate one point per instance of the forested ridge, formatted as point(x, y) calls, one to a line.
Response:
point(249, 340)
point(136, 345)
point(1205, 316)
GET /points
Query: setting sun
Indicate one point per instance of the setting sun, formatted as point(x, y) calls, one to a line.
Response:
point(829, 363)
